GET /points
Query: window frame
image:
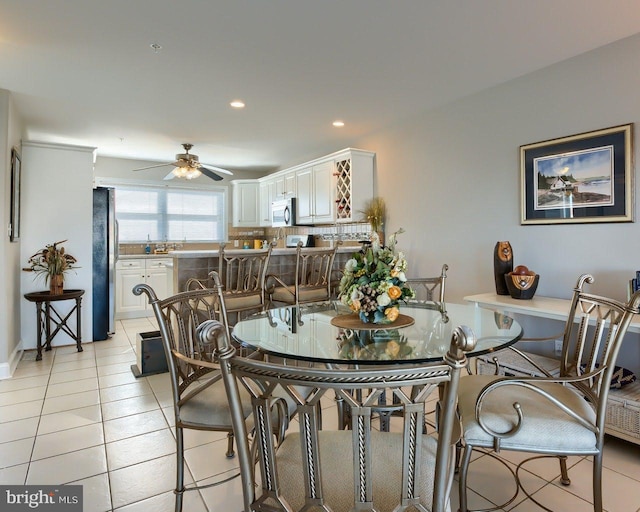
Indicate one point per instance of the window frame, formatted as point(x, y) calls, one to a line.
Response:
point(224, 191)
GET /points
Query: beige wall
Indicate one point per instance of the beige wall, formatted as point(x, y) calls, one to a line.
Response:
point(10, 130)
point(57, 205)
point(451, 178)
point(458, 169)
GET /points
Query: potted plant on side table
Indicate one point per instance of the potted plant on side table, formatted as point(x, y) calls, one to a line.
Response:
point(52, 262)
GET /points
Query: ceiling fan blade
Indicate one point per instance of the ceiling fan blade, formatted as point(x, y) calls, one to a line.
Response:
point(169, 176)
point(210, 174)
point(218, 169)
point(152, 166)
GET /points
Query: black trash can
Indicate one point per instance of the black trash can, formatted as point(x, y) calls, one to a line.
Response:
point(150, 356)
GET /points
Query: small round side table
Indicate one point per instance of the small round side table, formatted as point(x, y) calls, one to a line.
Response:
point(47, 317)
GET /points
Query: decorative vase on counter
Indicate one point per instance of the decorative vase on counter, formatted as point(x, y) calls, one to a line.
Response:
point(502, 265)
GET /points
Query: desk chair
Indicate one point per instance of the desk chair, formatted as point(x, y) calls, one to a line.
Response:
point(199, 398)
point(242, 274)
point(359, 469)
point(312, 280)
point(554, 416)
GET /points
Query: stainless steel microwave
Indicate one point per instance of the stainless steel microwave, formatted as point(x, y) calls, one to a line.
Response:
point(283, 212)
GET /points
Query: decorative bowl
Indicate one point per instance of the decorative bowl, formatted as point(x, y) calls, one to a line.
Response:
point(521, 286)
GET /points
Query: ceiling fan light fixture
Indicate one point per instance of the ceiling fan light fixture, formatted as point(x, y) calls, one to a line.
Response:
point(188, 166)
point(187, 172)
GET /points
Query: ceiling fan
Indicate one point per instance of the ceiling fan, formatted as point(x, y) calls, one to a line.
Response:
point(188, 166)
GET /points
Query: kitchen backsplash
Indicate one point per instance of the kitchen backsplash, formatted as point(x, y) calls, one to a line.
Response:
point(350, 234)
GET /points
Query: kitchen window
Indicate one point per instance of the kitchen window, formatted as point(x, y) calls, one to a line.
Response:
point(172, 214)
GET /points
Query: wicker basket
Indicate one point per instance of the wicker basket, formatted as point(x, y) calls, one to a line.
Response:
point(623, 413)
point(623, 406)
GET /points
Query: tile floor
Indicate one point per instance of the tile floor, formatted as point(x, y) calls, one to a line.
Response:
point(83, 418)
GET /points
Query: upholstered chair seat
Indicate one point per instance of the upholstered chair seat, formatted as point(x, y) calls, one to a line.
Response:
point(209, 407)
point(545, 428)
point(308, 294)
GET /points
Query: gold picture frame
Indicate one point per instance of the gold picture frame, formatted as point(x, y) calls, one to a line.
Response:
point(581, 178)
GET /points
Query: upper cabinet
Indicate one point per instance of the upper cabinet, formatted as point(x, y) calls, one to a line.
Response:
point(245, 203)
point(278, 186)
point(334, 188)
point(267, 192)
point(316, 193)
point(289, 184)
point(353, 172)
point(330, 189)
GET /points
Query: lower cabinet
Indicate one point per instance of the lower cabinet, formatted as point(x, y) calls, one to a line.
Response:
point(156, 272)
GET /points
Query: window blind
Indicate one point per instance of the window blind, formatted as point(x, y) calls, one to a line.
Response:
point(172, 214)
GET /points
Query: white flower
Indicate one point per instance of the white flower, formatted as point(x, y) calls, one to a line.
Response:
point(402, 277)
point(356, 294)
point(350, 265)
point(383, 299)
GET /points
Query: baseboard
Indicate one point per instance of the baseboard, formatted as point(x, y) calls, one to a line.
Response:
point(7, 369)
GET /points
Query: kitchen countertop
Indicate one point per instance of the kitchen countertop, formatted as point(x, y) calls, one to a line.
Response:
point(274, 252)
point(205, 253)
point(143, 256)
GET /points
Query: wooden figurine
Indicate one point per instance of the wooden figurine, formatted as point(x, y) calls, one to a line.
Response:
point(502, 265)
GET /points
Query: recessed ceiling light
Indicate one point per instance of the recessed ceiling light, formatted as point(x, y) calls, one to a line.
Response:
point(237, 104)
point(338, 123)
point(155, 47)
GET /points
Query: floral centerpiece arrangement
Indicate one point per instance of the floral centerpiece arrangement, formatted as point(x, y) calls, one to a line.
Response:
point(52, 263)
point(374, 281)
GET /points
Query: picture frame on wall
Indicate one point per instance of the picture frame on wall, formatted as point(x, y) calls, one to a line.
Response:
point(580, 178)
point(16, 175)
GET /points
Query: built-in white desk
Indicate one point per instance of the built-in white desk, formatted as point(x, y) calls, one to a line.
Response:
point(543, 307)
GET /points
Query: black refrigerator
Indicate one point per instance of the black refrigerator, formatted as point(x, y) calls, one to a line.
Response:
point(105, 253)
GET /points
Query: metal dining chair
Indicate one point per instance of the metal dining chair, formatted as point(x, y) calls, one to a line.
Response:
point(242, 274)
point(429, 289)
point(199, 398)
point(312, 279)
point(556, 416)
point(361, 469)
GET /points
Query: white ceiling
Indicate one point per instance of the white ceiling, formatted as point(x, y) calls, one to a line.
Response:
point(83, 72)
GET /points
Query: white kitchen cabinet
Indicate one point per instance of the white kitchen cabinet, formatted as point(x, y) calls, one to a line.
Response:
point(330, 189)
point(316, 185)
point(246, 210)
point(323, 194)
point(267, 192)
point(304, 201)
point(156, 272)
point(289, 188)
point(353, 182)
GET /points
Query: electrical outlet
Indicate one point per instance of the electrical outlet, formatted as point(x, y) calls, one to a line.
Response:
point(558, 347)
point(236, 243)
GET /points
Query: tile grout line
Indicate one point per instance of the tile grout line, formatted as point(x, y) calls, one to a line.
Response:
point(44, 398)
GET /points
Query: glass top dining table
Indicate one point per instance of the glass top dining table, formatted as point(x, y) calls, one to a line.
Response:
point(307, 333)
